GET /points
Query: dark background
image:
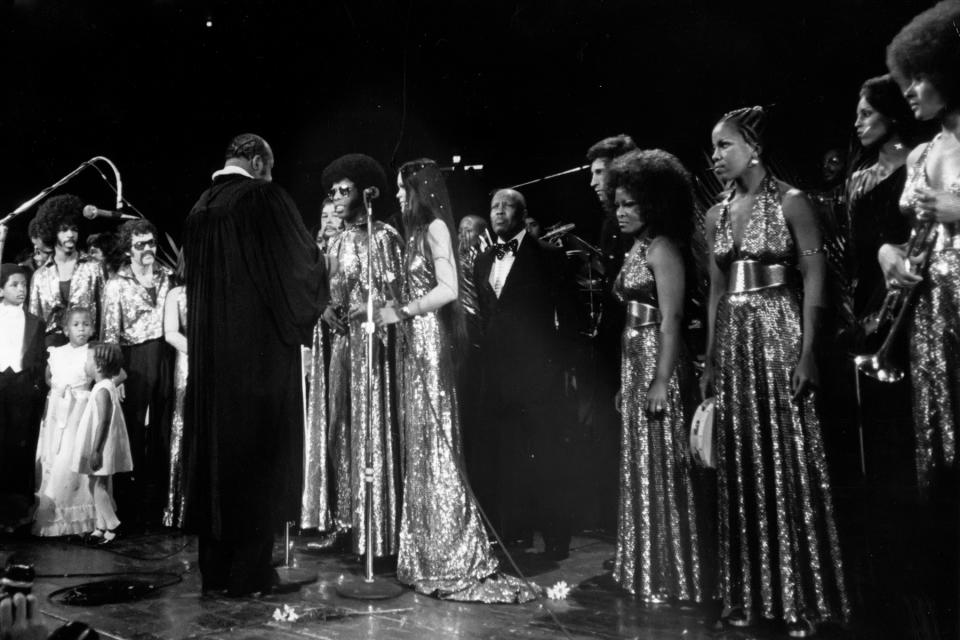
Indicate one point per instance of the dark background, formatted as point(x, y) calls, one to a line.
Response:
point(522, 87)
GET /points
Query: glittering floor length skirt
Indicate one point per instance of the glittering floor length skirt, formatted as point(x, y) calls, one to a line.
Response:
point(443, 545)
point(658, 545)
point(935, 369)
point(778, 549)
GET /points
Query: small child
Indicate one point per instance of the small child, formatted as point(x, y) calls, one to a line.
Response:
point(65, 501)
point(103, 447)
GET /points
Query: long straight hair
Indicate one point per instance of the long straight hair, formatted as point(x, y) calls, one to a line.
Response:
point(428, 200)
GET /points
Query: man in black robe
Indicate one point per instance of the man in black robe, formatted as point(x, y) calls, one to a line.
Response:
point(256, 284)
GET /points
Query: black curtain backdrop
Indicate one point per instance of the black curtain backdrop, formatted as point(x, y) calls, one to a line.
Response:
point(523, 88)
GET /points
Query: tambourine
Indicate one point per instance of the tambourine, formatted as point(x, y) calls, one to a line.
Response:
point(701, 435)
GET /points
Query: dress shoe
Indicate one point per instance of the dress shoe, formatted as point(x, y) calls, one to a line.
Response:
point(335, 541)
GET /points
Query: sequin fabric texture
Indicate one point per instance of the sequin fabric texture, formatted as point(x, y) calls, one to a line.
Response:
point(348, 405)
point(86, 289)
point(778, 548)
point(658, 544)
point(176, 498)
point(935, 340)
point(130, 315)
point(443, 545)
point(316, 510)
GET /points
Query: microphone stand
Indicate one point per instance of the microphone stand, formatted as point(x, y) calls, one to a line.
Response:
point(369, 588)
point(59, 183)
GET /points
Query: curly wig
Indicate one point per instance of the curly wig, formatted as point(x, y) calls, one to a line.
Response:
point(56, 213)
point(662, 188)
point(929, 47)
point(610, 148)
point(131, 228)
point(359, 168)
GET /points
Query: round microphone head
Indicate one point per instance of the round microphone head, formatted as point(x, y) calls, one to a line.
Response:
point(89, 212)
point(371, 192)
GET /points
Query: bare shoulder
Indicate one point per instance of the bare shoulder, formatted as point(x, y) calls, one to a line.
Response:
point(914, 156)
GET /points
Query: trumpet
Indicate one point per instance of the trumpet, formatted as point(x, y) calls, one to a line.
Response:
point(897, 304)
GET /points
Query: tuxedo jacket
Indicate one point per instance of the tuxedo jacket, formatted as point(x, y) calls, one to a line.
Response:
point(34, 355)
point(521, 348)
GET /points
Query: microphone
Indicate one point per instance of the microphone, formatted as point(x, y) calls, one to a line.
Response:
point(90, 212)
point(371, 193)
point(559, 231)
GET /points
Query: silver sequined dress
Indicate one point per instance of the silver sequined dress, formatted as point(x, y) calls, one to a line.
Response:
point(176, 498)
point(658, 552)
point(778, 549)
point(347, 390)
point(935, 341)
point(316, 510)
point(443, 545)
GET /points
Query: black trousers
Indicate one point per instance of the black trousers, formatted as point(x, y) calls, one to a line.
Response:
point(19, 429)
point(140, 494)
point(240, 566)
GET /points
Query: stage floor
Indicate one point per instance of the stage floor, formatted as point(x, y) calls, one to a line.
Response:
point(595, 608)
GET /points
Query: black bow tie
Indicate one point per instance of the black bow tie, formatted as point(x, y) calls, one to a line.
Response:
point(503, 248)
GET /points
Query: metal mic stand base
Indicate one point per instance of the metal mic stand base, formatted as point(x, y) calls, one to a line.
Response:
point(359, 588)
point(289, 573)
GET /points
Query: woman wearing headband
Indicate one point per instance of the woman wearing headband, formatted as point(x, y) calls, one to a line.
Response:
point(778, 550)
point(443, 544)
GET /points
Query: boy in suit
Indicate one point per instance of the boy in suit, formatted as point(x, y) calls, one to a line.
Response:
point(21, 377)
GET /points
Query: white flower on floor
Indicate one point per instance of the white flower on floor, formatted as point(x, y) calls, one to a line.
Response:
point(288, 614)
point(559, 591)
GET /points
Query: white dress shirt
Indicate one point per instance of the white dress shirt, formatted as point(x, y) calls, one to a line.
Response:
point(12, 326)
point(501, 268)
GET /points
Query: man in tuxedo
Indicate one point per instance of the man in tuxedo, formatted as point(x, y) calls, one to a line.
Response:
point(526, 308)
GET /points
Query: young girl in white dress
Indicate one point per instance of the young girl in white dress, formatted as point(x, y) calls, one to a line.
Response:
point(103, 447)
point(65, 502)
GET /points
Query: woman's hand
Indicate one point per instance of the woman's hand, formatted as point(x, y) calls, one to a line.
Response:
point(806, 377)
point(706, 381)
point(941, 206)
point(332, 318)
point(657, 397)
point(386, 315)
point(895, 267)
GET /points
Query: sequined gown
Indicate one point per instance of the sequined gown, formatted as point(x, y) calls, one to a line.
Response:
point(658, 544)
point(443, 545)
point(935, 341)
point(316, 508)
point(347, 399)
point(173, 513)
point(778, 549)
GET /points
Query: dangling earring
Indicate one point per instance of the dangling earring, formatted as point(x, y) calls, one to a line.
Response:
point(754, 161)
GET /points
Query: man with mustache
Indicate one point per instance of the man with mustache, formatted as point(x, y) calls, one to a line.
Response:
point(133, 318)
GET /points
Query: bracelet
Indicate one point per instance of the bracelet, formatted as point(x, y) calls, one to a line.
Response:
point(404, 312)
point(811, 252)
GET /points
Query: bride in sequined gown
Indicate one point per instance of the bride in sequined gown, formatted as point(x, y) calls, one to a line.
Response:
point(778, 549)
point(658, 554)
point(444, 549)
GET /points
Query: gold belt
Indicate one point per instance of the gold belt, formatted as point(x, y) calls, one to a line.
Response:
point(750, 275)
point(641, 314)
